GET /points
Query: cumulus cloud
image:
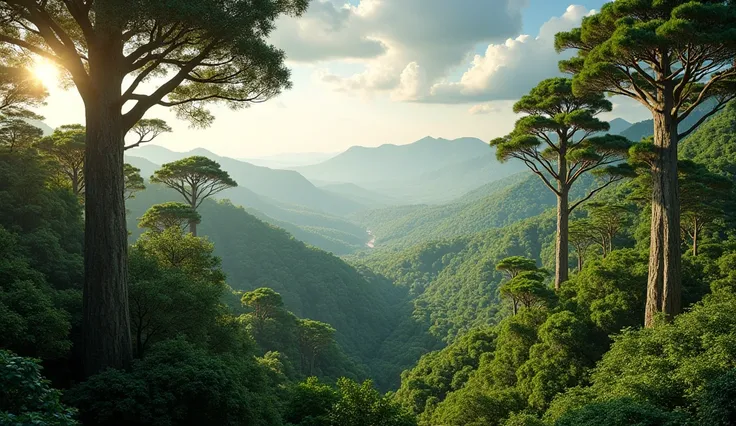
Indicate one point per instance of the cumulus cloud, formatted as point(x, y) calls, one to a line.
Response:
point(507, 71)
point(408, 48)
point(405, 45)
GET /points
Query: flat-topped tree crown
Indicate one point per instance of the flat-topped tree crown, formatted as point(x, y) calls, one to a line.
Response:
point(160, 217)
point(196, 179)
point(560, 140)
point(671, 56)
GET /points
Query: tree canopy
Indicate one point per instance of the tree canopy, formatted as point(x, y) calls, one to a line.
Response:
point(557, 141)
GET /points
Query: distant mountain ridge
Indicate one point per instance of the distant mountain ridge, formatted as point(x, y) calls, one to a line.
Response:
point(286, 186)
point(387, 162)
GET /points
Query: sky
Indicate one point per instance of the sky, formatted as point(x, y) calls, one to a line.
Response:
point(371, 72)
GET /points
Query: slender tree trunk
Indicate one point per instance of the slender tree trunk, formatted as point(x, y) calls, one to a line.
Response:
point(663, 286)
point(563, 219)
point(580, 261)
point(193, 224)
point(516, 307)
point(106, 320)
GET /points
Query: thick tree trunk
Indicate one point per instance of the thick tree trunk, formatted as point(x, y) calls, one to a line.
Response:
point(562, 244)
point(663, 287)
point(106, 320)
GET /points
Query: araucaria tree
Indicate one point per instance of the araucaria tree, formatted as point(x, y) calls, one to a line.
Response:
point(65, 148)
point(161, 217)
point(196, 179)
point(671, 56)
point(188, 53)
point(557, 141)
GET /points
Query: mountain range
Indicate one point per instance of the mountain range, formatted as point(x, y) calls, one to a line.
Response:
point(401, 193)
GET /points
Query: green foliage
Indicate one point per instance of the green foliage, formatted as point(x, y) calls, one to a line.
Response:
point(17, 134)
point(520, 419)
point(611, 292)
point(64, 150)
point(168, 300)
point(527, 289)
point(177, 383)
point(473, 407)
point(621, 412)
point(133, 181)
point(441, 372)
point(717, 403)
point(514, 265)
point(26, 397)
point(40, 262)
point(264, 301)
point(168, 215)
point(18, 89)
point(714, 143)
point(668, 365)
point(362, 405)
point(558, 361)
point(195, 178)
point(309, 403)
point(32, 324)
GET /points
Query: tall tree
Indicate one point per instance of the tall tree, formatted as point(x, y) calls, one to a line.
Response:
point(264, 301)
point(703, 197)
point(556, 140)
point(314, 338)
point(672, 57)
point(160, 217)
point(189, 54)
point(196, 179)
point(514, 265)
point(526, 289)
point(66, 149)
point(133, 181)
point(607, 219)
point(582, 237)
point(17, 134)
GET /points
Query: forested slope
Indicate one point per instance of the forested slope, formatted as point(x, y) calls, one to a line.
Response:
point(492, 206)
point(364, 308)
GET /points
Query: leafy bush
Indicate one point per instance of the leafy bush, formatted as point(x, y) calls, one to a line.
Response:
point(26, 398)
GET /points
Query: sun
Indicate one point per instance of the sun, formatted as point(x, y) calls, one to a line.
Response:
point(45, 72)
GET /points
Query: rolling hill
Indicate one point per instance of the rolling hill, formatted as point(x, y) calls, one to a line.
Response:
point(329, 233)
point(427, 171)
point(493, 206)
point(395, 162)
point(285, 186)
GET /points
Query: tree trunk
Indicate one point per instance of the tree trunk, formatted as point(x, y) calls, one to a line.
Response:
point(562, 244)
point(580, 261)
point(106, 321)
point(663, 286)
point(193, 224)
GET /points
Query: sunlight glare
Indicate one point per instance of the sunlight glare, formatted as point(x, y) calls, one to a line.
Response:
point(46, 72)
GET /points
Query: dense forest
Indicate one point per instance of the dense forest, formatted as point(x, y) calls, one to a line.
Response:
point(589, 280)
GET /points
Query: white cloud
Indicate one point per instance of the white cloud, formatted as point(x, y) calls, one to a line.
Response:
point(405, 46)
point(482, 109)
point(507, 71)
